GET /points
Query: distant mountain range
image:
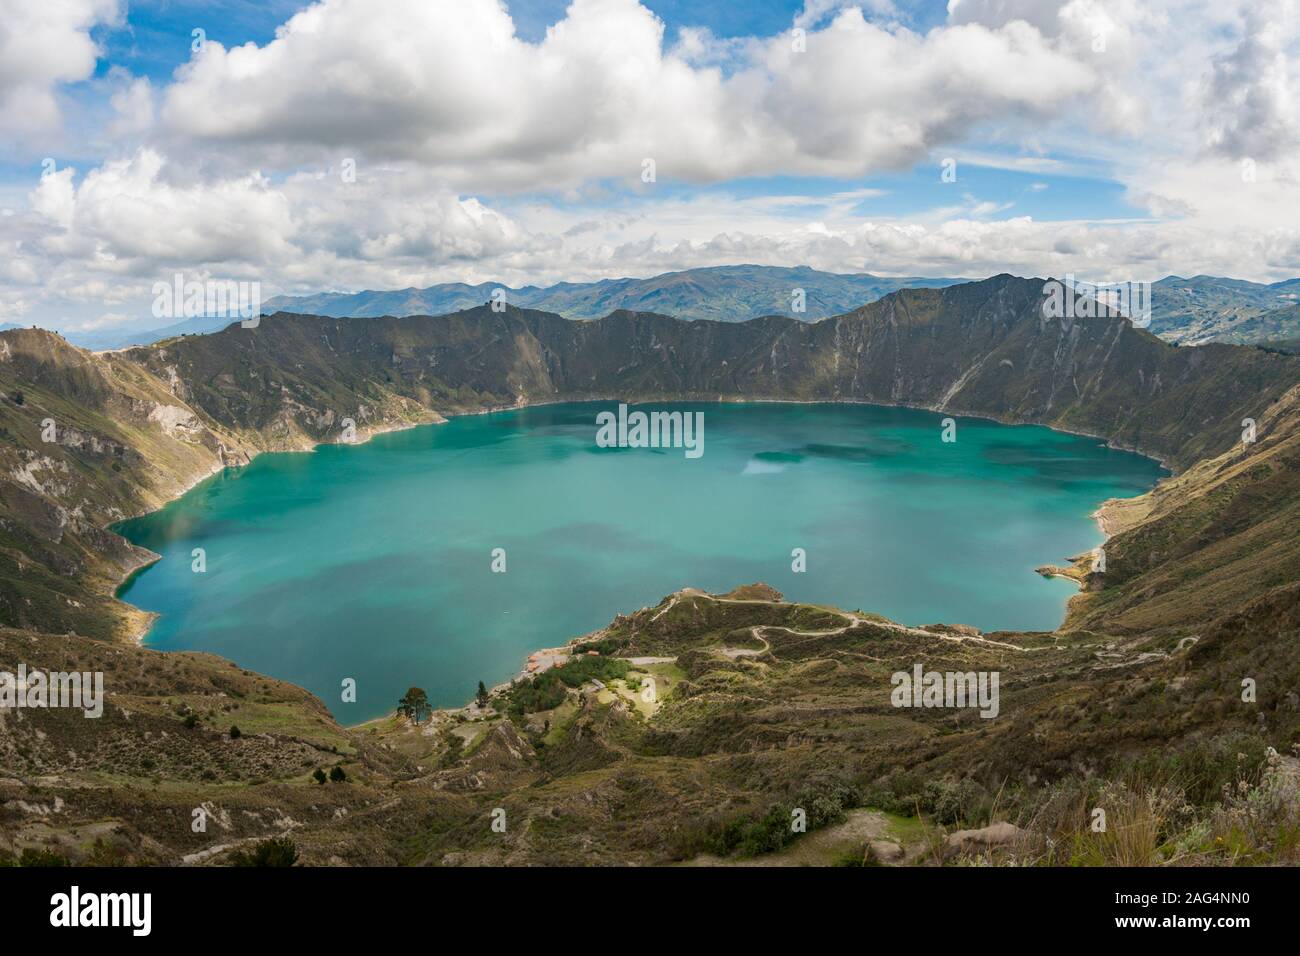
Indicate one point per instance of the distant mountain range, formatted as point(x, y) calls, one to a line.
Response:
point(721, 293)
point(1191, 311)
point(100, 339)
point(1213, 309)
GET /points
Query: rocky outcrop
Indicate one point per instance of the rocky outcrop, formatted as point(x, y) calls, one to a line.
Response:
point(1001, 835)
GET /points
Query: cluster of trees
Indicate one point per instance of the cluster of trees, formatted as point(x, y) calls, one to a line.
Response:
point(414, 704)
point(549, 688)
point(336, 775)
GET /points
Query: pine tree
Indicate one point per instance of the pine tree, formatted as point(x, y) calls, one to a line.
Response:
point(414, 704)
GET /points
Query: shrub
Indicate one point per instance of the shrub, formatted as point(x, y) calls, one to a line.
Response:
point(1202, 768)
point(278, 851)
point(42, 857)
point(952, 802)
point(547, 690)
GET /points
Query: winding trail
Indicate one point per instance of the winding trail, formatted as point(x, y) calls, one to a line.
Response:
point(852, 618)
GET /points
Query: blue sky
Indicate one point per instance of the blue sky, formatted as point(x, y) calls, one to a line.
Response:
point(486, 150)
point(149, 40)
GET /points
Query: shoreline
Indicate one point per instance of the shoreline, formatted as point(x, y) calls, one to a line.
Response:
point(442, 418)
point(153, 557)
point(564, 650)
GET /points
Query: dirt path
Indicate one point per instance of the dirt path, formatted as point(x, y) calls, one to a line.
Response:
point(853, 621)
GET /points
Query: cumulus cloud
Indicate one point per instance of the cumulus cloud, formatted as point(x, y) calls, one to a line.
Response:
point(957, 246)
point(107, 236)
point(1251, 97)
point(43, 45)
point(132, 104)
point(128, 213)
point(454, 89)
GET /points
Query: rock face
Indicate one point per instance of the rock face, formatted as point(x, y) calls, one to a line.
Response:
point(884, 851)
point(995, 835)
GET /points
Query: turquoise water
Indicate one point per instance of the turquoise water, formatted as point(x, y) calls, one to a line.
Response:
point(374, 561)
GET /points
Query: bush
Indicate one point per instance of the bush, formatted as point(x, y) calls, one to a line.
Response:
point(41, 857)
point(954, 802)
point(455, 747)
point(606, 645)
point(278, 851)
point(767, 834)
point(235, 732)
point(337, 775)
point(722, 836)
point(318, 775)
point(582, 669)
point(543, 692)
point(1202, 768)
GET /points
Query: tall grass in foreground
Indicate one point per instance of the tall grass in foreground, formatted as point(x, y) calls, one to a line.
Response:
point(1150, 819)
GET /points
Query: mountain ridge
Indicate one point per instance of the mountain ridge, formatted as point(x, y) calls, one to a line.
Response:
point(722, 293)
point(1185, 311)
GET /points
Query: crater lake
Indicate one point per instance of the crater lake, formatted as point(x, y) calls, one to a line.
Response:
point(374, 561)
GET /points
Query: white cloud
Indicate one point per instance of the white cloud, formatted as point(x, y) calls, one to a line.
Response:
point(132, 105)
point(1251, 98)
point(129, 215)
point(110, 235)
point(450, 87)
point(42, 45)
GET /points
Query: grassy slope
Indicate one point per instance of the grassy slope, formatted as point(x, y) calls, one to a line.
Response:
point(1211, 539)
point(807, 723)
